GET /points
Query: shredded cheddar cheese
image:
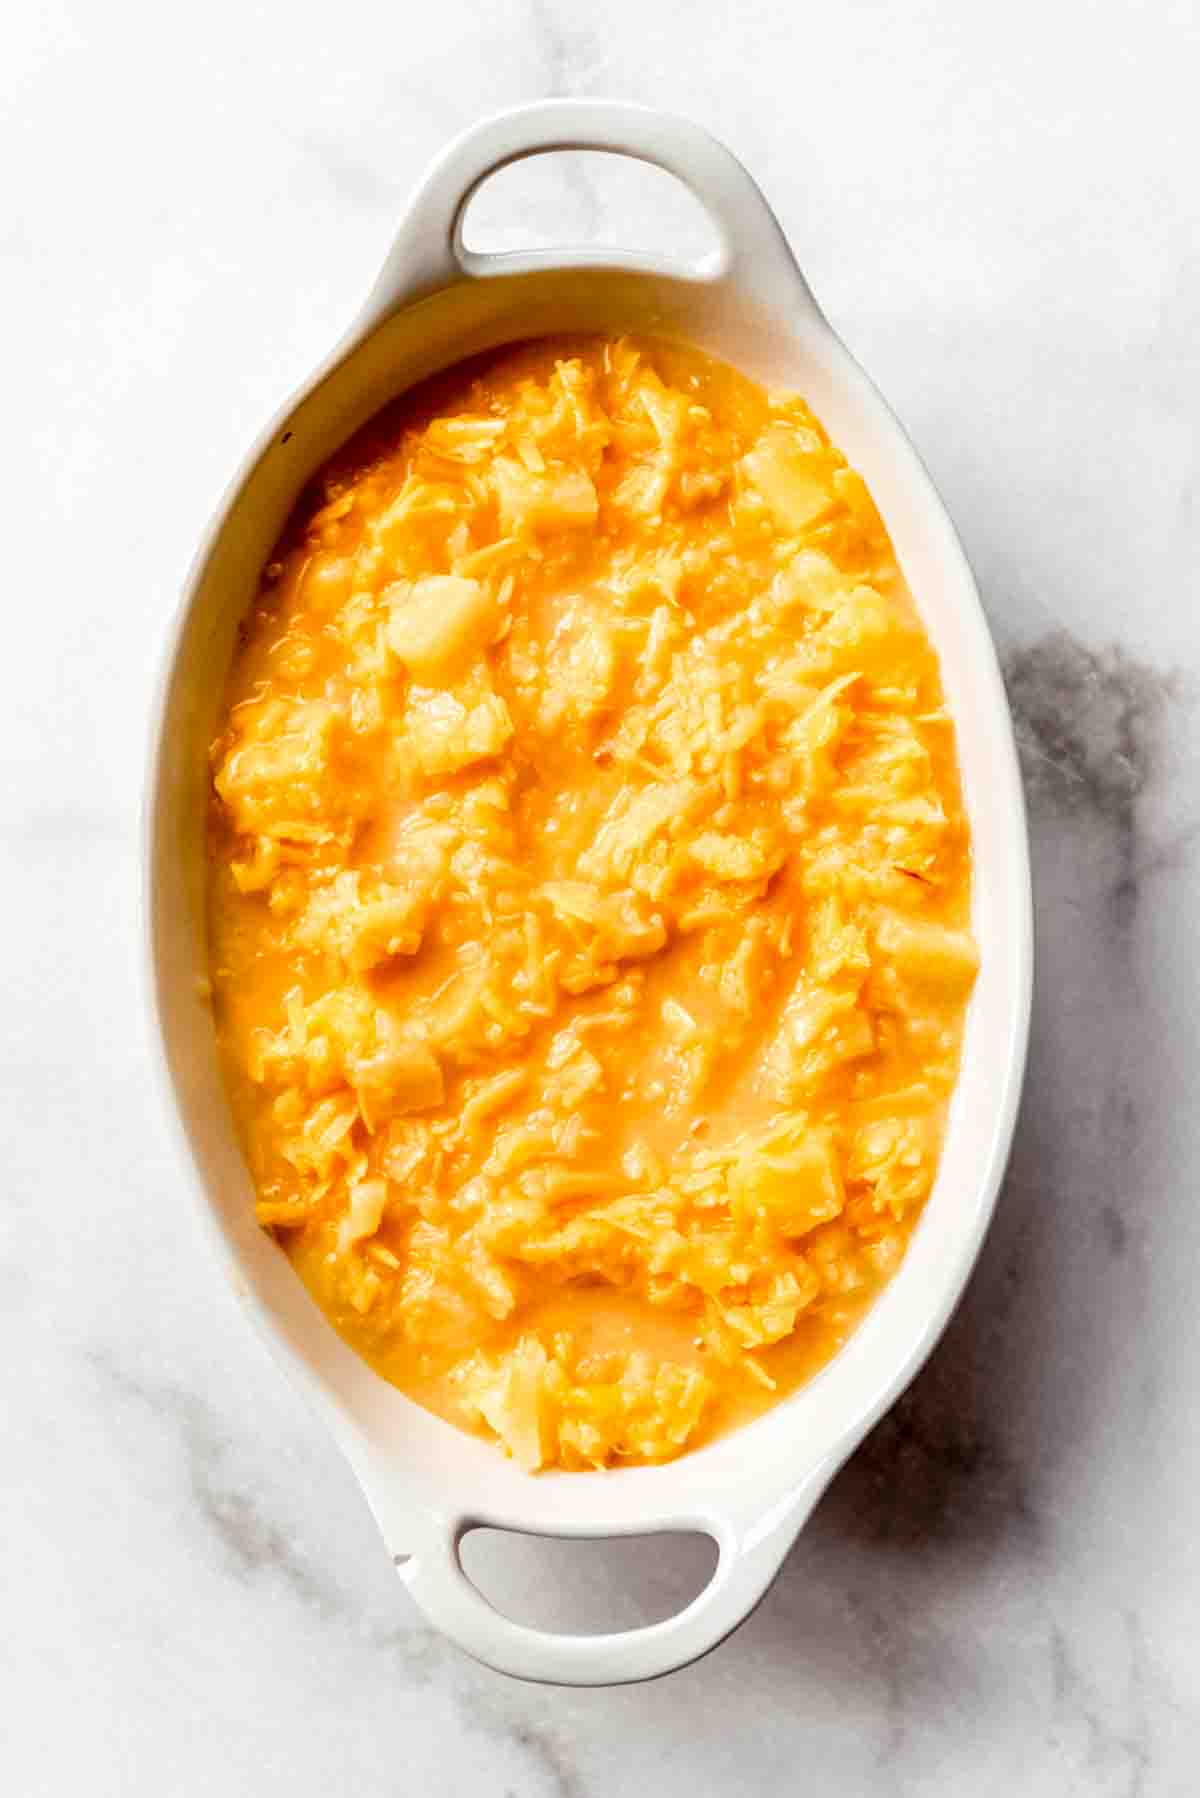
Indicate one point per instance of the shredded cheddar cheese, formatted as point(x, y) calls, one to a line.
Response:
point(589, 899)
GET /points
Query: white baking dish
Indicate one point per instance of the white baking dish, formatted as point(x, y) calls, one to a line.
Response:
point(434, 304)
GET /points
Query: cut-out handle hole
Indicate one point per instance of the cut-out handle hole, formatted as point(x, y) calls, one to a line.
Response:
point(585, 1586)
point(588, 197)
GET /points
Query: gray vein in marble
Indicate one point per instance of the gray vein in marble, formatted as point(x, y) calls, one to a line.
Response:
point(902, 1660)
point(1117, 1747)
point(1116, 1231)
point(936, 1468)
point(1090, 728)
point(493, 1707)
point(1094, 729)
point(1171, 854)
point(570, 52)
point(252, 1541)
point(542, 1745)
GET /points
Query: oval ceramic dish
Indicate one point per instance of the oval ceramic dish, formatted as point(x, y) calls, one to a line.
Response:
point(436, 303)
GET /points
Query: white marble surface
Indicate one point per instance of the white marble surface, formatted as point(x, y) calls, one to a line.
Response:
point(998, 207)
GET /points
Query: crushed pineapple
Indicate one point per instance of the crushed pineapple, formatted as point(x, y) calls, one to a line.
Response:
point(589, 899)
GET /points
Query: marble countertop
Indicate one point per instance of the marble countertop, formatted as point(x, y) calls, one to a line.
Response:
point(1000, 1593)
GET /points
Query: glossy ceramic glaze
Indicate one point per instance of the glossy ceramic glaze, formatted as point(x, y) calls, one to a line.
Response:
point(435, 303)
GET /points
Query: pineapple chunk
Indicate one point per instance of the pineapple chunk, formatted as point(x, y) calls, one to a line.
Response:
point(732, 857)
point(365, 922)
point(635, 819)
point(279, 766)
point(930, 954)
point(794, 1182)
point(541, 500)
point(399, 1076)
point(893, 1157)
point(439, 625)
point(869, 634)
point(624, 925)
point(581, 667)
point(794, 482)
point(821, 1029)
point(510, 1398)
point(364, 1213)
point(772, 1316)
point(582, 1411)
point(446, 731)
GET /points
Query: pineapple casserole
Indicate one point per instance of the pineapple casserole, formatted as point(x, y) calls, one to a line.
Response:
point(589, 899)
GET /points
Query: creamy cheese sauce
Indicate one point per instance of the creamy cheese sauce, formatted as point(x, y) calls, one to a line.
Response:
point(589, 899)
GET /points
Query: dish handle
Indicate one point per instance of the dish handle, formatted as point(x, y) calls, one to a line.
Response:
point(429, 252)
point(749, 1554)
